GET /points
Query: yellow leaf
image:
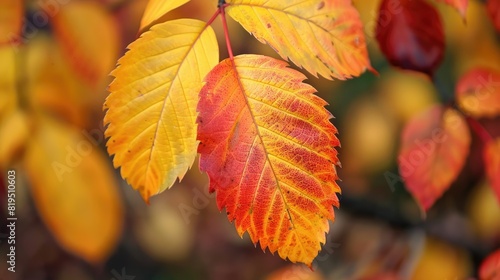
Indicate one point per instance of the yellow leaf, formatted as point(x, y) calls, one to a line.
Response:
point(323, 36)
point(158, 8)
point(74, 191)
point(152, 104)
point(89, 37)
point(51, 84)
point(11, 18)
point(8, 96)
point(14, 132)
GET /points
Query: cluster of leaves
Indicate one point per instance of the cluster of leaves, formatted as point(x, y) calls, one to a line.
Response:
point(438, 140)
point(53, 55)
point(264, 138)
point(435, 144)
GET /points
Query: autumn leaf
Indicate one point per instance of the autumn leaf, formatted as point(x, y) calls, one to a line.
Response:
point(8, 82)
point(152, 103)
point(412, 38)
point(267, 145)
point(491, 157)
point(493, 8)
point(14, 133)
point(478, 92)
point(89, 39)
point(158, 8)
point(459, 5)
point(51, 83)
point(324, 37)
point(11, 19)
point(490, 267)
point(434, 147)
point(74, 190)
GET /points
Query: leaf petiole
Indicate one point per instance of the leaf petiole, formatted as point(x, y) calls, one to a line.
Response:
point(226, 31)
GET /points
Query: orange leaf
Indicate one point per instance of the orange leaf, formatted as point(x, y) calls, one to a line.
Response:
point(152, 103)
point(478, 92)
point(491, 156)
point(74, 191)
point(89, 38)
point(490, 267)
point(268, 147)
point(493, 8)
point(158, 8)
point(460, 5)
point(323, 36)
point(434, 148)
point(11, 19)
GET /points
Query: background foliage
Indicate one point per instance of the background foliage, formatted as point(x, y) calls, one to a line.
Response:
point(52, 89)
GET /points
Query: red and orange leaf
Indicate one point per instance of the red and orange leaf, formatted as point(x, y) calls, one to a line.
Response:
point(490, 267)
point(493, 8)
point(434, 147)
point(158, 8)
point(412, 38)
point(267, 145)
point(11, 19)
point(478, 93)
point(89, 38)
point(459, 5)
point(74, 190)
point(323, 36)
point(151, 109)
point(491, 157)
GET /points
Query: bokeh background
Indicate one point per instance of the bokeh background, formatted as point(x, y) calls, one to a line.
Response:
point(52, 88)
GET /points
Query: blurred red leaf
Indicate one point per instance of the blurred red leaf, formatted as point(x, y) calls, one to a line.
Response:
point(490, 268)
point(412, 36)
point(478, 92)
point(493, 8)
point(492, 161)
point(434, 147)
point(460, 5)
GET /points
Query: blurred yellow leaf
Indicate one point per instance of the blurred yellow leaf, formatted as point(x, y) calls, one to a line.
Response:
point(441, 261)
point(14, 132)
point(8, 96)
point(89, 37)
point(158, 8)
point(369, 142)
point(484, 211)
point(11, 18)
point(163, 233)
point(52, 85)
point(406, 93)
point(74, 191)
